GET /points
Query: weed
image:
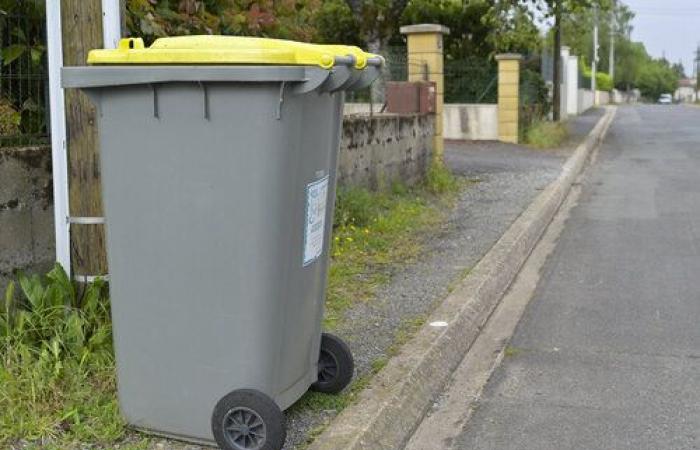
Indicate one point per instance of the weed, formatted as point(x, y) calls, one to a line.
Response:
point(511, 351)
point(546, 135)
point(439, 179)
point(405, 331)
point(354, 206)
point(378, 364)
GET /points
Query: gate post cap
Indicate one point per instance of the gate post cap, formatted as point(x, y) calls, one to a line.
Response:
point(509, 56)
point(424, 28)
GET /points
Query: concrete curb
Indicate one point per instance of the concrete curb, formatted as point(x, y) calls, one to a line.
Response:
point(388, 411)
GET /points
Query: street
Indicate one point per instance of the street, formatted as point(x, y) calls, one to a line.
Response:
point(607, 353)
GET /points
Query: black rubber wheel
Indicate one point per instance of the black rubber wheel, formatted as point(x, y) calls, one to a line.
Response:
point(247, 419)
point(335, 365)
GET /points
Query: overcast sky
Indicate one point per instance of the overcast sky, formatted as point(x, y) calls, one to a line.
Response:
point(668, 26)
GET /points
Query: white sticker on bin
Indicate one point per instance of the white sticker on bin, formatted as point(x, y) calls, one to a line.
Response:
point(314, 228)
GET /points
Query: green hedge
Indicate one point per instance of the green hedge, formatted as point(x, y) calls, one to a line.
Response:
point(603, 82)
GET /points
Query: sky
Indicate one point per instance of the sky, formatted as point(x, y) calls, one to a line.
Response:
point(670, 27)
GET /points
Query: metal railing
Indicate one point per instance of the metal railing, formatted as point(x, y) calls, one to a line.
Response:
point(23, 75)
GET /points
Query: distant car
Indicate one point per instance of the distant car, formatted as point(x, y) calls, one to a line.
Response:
point(665, 99)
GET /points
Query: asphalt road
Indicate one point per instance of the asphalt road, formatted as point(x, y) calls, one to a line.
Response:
point(607, 354)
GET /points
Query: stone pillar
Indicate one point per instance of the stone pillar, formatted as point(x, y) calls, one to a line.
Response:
point(572, 77)
point(565, 82)
point(425, 63)
point(508, 97)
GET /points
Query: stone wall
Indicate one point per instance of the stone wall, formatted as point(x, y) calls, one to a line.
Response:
point(603, 97)
point(585, 100)
point(361, 108)
point(380, 149)
point(26, 211)
point(475, 122)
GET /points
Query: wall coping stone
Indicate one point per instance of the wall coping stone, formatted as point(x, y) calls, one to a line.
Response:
point(424, 28)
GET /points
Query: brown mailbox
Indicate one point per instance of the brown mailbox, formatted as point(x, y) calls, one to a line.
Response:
point(405, 97)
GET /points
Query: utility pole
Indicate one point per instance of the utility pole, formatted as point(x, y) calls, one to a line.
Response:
point(611, 61)
point(556, 59)
point(594, 63)
point(86, 24)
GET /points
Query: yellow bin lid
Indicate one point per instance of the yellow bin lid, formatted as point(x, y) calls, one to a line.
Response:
point(227, 50)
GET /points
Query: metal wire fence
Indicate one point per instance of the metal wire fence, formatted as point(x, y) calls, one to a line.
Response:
point(23, 75)
point(396, 69)
point(471, 80)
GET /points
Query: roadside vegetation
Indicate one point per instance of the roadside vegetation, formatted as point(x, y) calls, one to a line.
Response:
point(376, 230)
point(546, 135)
point(57, 382)
point(57, 369)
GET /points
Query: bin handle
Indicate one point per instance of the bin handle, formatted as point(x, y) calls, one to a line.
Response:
point(313, 78)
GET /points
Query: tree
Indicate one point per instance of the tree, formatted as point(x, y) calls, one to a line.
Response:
point(634, 67)
point(577, 31)
point(557, 9)
point(335, 23)
point(657, 77)
point(631, 57)
point(377, 20)
point(679, 69)
point(477, 28)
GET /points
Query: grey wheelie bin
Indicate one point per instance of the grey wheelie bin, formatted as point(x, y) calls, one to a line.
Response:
point(219, 166)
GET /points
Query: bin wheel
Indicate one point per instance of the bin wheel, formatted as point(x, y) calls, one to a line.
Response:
point(335, 365)
point(247, 419)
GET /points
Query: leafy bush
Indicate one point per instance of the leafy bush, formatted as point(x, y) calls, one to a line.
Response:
point(22, 65)
point(603, 82)
point(288, 19)
point(534, 97)
point(57, 364)
point(10, 118)
point(546, 135)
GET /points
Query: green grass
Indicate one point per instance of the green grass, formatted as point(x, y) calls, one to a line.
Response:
point(57, 369)
point(374, 232)
point(57, 378)
point(546, 135)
